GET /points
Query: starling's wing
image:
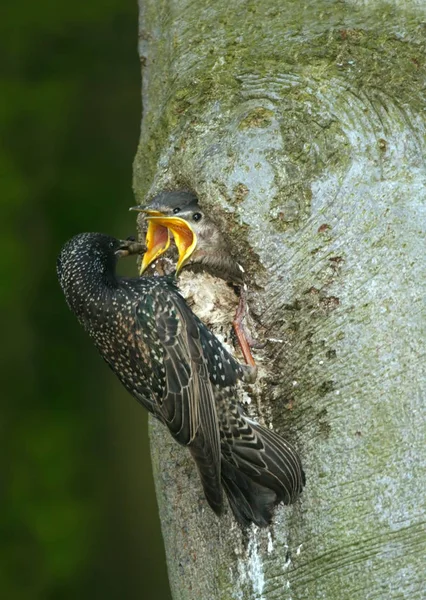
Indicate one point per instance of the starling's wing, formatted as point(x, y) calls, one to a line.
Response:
point(223, 368)
point(187, 404)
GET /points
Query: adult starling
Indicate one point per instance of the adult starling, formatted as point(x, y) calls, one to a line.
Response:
point(200, 243)
point(175, 367)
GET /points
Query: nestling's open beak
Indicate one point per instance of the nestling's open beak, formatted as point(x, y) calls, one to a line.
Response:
point(146, 211)
point(157, 238)
point(184, 235)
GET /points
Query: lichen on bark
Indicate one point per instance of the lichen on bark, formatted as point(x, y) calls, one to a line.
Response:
point(302, 128)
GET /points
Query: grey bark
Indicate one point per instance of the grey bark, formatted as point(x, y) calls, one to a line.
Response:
point(301, 125)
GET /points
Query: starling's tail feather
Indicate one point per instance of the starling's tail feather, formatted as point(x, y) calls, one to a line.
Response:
point(249, 501)
point(259, 470)
point(283, 470)
point(209, 472)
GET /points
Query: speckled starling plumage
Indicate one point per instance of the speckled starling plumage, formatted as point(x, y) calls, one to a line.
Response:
point(175, 367)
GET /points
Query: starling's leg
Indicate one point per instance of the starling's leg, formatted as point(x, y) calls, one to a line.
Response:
point(244, 338)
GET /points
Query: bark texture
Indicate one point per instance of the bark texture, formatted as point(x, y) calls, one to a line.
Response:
point(301, 125)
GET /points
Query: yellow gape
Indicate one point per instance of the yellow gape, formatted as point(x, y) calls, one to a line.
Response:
point(184, 236)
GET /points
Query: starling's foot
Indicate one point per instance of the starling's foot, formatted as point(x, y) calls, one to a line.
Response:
point(250, 373)
point(244, 338)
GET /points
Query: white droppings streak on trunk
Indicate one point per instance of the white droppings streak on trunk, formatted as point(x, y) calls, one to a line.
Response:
point(270, 543)
point(250, 569)
point(255, 567)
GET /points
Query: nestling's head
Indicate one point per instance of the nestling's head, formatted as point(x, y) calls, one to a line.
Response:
point(198, 239)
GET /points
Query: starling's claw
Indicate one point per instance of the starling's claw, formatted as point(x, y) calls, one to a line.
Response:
point(250, 373)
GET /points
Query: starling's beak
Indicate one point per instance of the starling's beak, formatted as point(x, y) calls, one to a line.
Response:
point(184, 235)
point(157, 238)
point(121, 252)
point(129, 247)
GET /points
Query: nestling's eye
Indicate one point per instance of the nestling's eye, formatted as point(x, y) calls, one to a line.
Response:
point(196, 216)
point(176, 210)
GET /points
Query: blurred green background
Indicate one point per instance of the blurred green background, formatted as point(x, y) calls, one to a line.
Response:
point(78, 514)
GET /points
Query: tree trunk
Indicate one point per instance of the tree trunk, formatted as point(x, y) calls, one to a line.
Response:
point(301, 126)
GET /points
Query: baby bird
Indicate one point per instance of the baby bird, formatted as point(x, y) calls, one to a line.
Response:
point(200, 243)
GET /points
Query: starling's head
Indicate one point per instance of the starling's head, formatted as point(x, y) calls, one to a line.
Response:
point(96, 247)
point(85, 265)
point(90, 254)
point(197, 237)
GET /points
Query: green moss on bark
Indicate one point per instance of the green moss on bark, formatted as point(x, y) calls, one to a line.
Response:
point(300, 126)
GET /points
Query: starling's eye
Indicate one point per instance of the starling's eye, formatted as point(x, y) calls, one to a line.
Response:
point(197, 216)
point(176, 210)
